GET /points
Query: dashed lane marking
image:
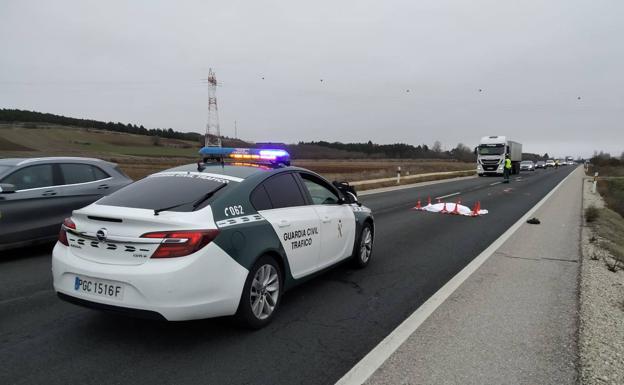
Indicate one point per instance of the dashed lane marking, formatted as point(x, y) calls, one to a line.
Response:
point(449, 195)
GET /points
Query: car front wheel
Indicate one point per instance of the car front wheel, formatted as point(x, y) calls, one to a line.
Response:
point(261, 294)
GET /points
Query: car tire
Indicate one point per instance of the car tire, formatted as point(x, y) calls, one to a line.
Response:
point(363, 248)
point(262, 294)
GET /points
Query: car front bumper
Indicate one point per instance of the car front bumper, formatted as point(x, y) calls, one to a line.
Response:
point(205, 284)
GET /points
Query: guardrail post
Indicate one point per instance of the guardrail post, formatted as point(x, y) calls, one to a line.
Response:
point(398, 174)
point(595, 182)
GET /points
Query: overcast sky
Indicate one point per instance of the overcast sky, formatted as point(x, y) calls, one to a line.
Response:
point(142, 63)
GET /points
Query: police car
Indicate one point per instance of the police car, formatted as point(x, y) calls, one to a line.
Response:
point(226, 236)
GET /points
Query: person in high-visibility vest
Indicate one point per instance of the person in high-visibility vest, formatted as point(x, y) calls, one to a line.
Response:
point(507, 168)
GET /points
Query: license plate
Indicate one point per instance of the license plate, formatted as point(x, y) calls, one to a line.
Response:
point(99, 287)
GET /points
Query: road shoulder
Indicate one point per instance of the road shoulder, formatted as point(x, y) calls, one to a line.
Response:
point(515, 319)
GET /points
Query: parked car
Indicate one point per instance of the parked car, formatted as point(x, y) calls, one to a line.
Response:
point(36, 194)
point(527, 165)
point(540, 164)
point(210, 240)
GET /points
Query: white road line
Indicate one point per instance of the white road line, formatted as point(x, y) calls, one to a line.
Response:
point(449, 195)
point(376, 357)
point(495, 183)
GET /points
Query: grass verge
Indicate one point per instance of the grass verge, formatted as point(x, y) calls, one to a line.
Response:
point(612, 191)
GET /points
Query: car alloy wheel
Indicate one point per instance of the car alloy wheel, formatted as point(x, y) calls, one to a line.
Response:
point(364, 247)
point(264, 291)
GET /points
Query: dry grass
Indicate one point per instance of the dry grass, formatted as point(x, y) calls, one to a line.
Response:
point(609, 227)
point(50, 140)
point(612, 190)
point(7, 145)
point(363, 169)
point(138, 156)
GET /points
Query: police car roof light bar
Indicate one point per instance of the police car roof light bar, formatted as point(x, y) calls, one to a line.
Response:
point(252, 155)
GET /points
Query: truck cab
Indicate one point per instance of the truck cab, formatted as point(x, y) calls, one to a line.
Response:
point(491, 155)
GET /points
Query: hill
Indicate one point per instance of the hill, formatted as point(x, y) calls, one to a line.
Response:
point(132, 144)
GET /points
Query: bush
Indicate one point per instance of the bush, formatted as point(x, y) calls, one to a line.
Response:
point(591, 214)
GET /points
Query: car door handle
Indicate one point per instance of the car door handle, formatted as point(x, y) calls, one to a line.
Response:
point(49, 193)
point(326, 219)
point(103, 187)
point(283, 223)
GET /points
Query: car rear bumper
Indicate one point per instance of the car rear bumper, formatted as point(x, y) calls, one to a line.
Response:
point(205, 284)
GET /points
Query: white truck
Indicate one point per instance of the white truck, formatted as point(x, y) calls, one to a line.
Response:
point(491, 155)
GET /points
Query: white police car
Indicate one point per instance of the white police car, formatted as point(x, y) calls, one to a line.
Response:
point(219, 238)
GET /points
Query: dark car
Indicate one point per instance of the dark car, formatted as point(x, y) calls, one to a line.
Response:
point(540, 164)
point(36, 194)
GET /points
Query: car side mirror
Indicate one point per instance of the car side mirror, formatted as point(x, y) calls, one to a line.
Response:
point(7, 188)
point(348, 192)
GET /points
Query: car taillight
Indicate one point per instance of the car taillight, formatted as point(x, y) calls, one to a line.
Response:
point(67, 224)
point(180, 243)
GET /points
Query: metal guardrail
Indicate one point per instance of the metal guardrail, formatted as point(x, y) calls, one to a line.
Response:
point(408, 177)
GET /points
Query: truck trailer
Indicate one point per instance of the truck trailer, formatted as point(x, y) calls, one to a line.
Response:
point(491, 155)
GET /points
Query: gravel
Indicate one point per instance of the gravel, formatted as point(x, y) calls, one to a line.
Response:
point(601, 332)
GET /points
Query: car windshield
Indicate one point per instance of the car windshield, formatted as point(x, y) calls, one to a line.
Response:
point(498, 149)
point(155, 192)
point(527, 162)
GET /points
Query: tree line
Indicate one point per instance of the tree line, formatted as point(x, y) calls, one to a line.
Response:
point(401, 150)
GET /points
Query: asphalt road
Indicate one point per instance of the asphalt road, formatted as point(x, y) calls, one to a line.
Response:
point(323, 328)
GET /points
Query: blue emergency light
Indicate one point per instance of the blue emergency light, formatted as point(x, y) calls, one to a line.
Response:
point(251, 155)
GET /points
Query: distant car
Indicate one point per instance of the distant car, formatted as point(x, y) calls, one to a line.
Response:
point(527, 165)
point(550, 163)
point(540, 164)
point(37, 194)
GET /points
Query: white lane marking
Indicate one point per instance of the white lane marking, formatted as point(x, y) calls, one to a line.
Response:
point(376, 357)
point(449, 195)
point(495, 183)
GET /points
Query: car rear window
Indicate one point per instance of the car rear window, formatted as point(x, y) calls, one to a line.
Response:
point(81, 173)
point(159, 192)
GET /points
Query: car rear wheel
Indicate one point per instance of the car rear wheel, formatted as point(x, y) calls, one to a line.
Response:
point(261, 294)
point(364, 247)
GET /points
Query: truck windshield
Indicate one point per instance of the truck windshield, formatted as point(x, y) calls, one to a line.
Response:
point(491, 150)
